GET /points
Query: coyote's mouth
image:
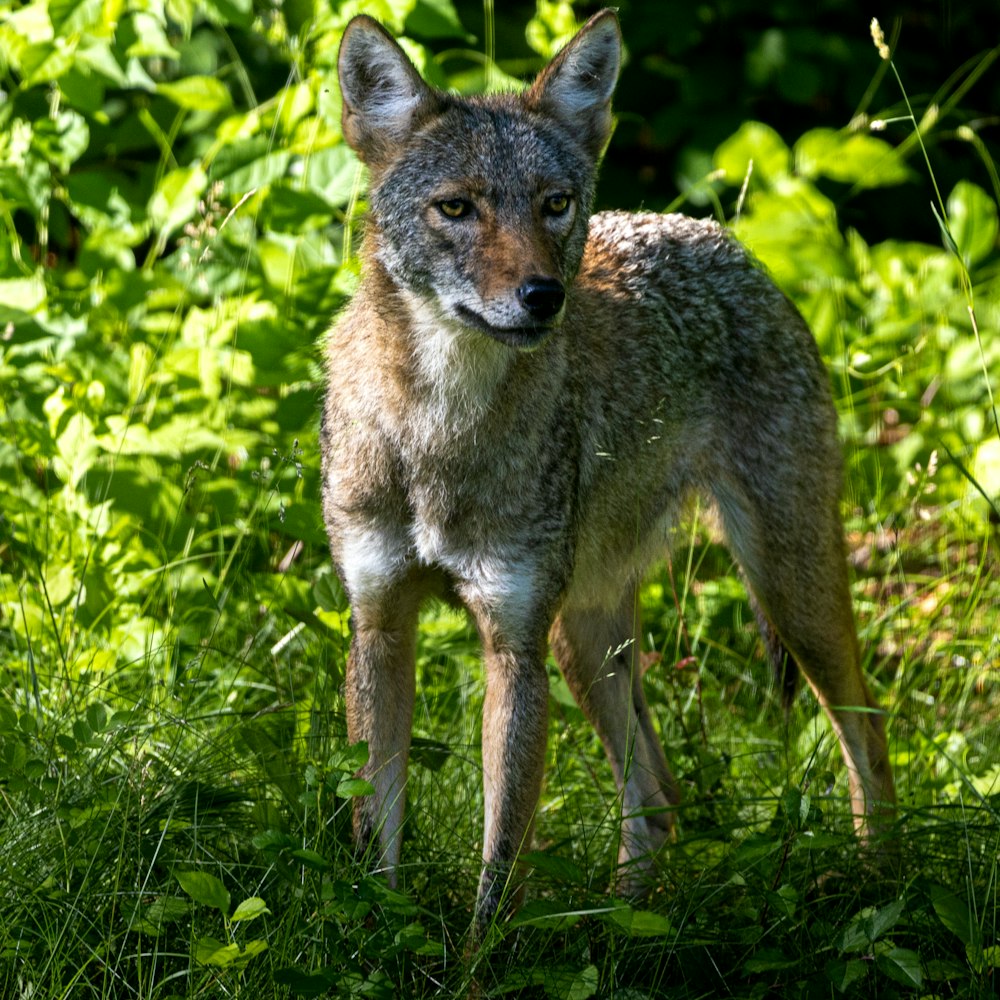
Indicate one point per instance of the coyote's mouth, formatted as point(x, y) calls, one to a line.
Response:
point(521, 337)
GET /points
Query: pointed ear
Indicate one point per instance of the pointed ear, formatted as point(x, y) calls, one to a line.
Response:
point(577, 85)
point(383, 96)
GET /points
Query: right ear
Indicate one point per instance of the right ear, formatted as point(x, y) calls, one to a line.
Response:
point(383, 96)
point(577, 85)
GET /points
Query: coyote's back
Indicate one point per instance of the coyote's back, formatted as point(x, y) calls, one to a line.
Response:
point(521, 397)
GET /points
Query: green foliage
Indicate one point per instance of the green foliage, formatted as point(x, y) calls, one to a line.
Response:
point(178, 211)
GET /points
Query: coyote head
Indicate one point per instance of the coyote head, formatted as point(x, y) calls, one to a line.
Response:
point(479, 207)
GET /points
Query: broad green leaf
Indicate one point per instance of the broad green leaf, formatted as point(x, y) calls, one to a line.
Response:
point(95, 58)
point(639, 923)
point(843, 972)
point(350, 758)
point(770, 960)
point(148, 37)
point(570, 985)
point(869, 925)
point(756, 143)
point(955, 913)
point(23, 295)
point(97, 716)
point(557, 867)
point(77, 448)
point(333, 173)
point(986, 470)
point(972, 215)
point(413, 937)
point(785, 900)
point(46, 61)
point(62, 140)
point(902, 965)
point(249, 909)
point(255, 173)
point(13, 758)
point(205, 889)
point(82, 732)
point(252, 948)
point(849, 157)
point(197, 93)
point(310, 859)
point(176, 198)
point(69, 16)
point(152, 919)
point(83, 91)
point(288, 210)
point(31, 23)
point(796, 806)
point(350, 788)
point(209, 951)
point(8, 718)
point(294, 103)
point(553, 25)
point(435, 19)
point(140, 365)
point(392, 13)
point(885, 918)
point(182, 12)
point(179, 436)
point(545, 913)
point(234, 12)
point(303, 984)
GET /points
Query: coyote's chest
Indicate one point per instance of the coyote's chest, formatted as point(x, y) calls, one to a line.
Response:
point(449, 390)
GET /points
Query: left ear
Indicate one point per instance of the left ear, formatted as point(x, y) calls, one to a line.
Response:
point(577, 85)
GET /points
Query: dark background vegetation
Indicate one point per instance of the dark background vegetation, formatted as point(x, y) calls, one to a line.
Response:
point(697, 70)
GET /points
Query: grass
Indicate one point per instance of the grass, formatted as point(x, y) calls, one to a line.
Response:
point(764, 883)
point(175, 779)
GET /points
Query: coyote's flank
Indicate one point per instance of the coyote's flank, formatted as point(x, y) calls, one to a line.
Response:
point(485, 438)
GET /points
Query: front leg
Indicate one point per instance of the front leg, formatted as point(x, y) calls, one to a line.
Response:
point(380, 692)
point(515, 726)
point(513, 624)
point(385, 592)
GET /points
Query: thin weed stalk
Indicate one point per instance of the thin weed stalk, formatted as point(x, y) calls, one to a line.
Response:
point(931, 117)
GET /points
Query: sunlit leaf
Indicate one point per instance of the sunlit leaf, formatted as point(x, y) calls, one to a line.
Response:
point(249, 909)
point(972, 215)
point(197, 93)
point(204, 888)
point(176, 198)
point(849, 157)
point(209, 951)
point(757, 144)
point(63, 139)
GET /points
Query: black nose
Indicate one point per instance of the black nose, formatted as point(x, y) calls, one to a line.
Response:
point(542, 297)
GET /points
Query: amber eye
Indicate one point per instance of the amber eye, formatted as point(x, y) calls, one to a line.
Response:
point(557, 204)
point(454, 208)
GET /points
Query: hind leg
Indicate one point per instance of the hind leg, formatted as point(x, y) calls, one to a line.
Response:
point(597, 651)
point(794, 560)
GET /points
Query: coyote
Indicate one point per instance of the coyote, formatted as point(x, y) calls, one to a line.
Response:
point(521, 397)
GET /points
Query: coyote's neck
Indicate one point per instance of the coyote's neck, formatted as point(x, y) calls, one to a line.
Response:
point(457, 371)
